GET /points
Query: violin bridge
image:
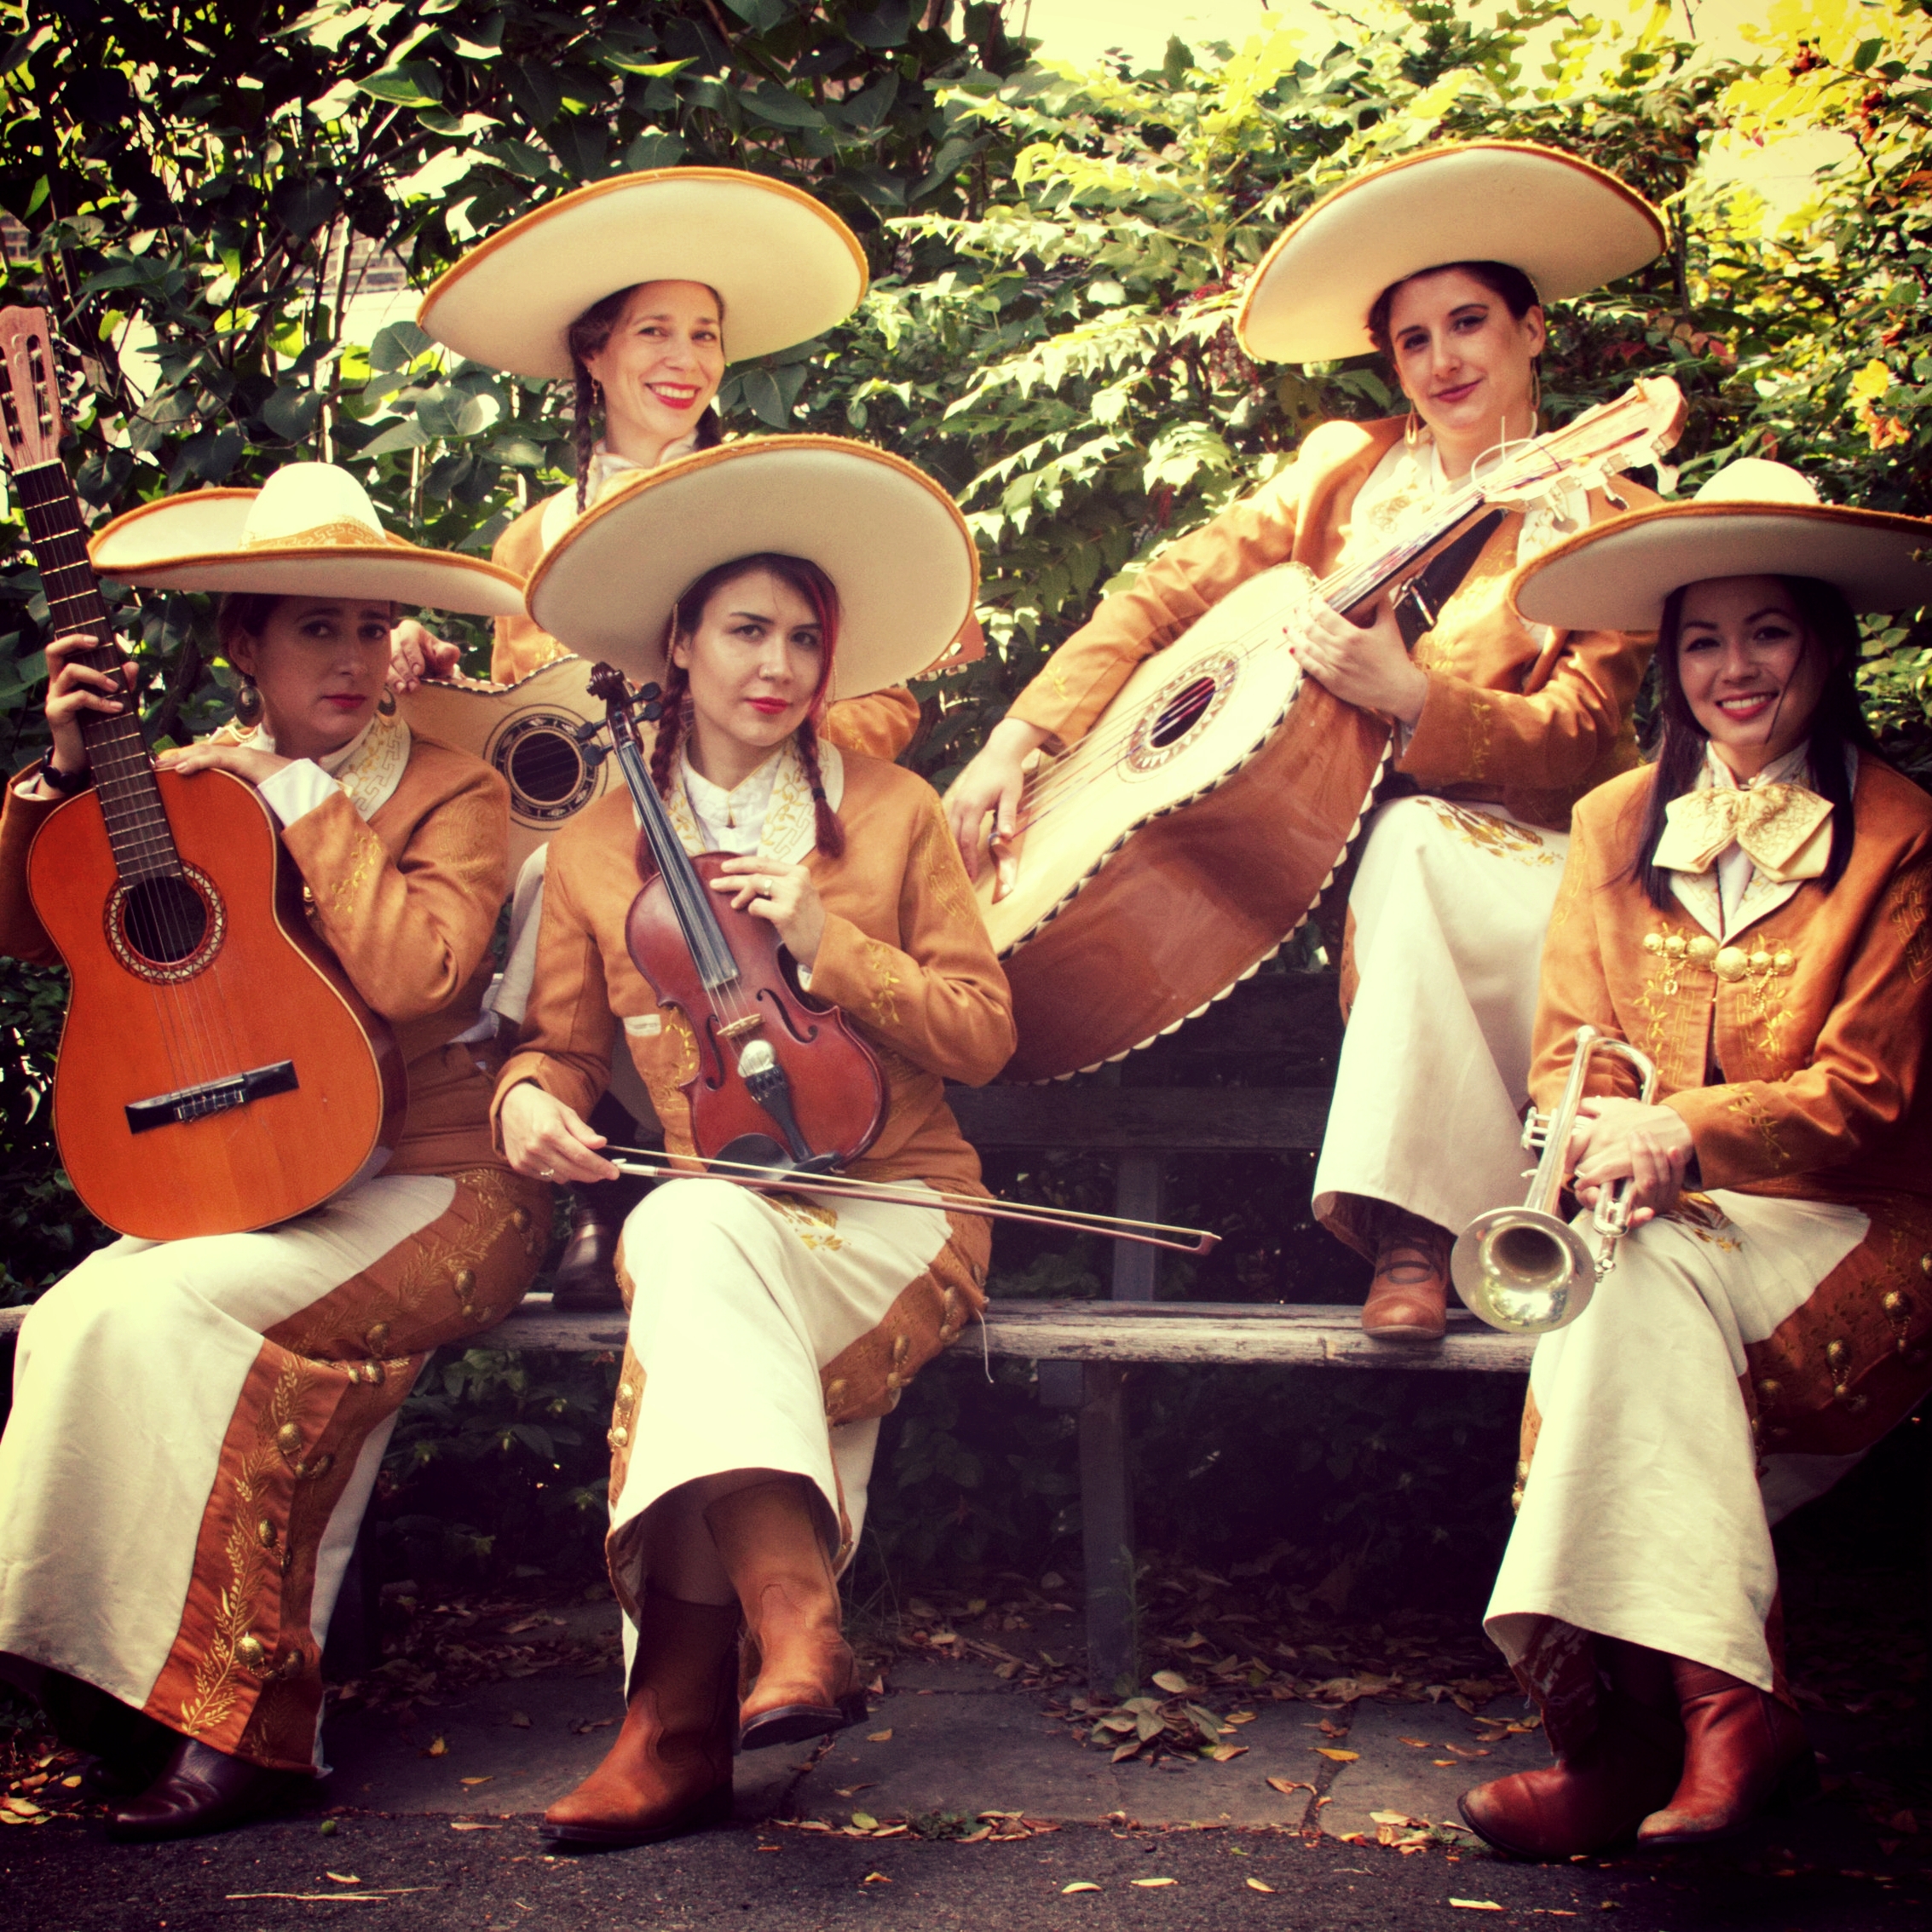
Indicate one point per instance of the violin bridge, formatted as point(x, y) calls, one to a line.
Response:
point(733, 1029)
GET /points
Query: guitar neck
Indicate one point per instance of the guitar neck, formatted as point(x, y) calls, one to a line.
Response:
point(690, 901)
point(1359, 583)
point(124, 773)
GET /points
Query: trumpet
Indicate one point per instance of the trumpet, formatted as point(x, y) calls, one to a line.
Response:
point(1526, 1270)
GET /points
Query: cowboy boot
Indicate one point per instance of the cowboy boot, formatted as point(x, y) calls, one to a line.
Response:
point(200, 1789)
point(1745, 1752)
point(669, 1770)
point(808, 1680)
point(1410, 1295)
point(1596, 1795)
point(585, 1281)
point(129, 1749)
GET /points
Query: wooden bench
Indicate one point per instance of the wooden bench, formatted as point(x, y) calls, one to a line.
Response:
point(1284, 1025)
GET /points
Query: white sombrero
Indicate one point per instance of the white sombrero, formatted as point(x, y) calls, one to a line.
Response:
point(1752, 519)
point(309, 531)
point(1568, 226)
point(786, 267)
point(890, 538)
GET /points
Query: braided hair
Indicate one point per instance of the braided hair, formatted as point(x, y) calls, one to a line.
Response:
point(800, 574)
point(587, 336)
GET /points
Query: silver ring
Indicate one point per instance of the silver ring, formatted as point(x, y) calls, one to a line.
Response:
point(765, 888)
point(546, 1173)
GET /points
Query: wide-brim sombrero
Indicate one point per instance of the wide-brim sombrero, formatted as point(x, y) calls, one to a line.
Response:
point(310, 531)
point(786, 267)
point(892, 540)
point(1752, 519)
point(1568, 226)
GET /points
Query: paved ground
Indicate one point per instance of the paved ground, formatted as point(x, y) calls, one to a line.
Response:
point(435, 1818)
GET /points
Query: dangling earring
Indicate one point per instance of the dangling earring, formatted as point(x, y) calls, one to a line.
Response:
point(386, 703)
point(249, 706)
point(1412, 429)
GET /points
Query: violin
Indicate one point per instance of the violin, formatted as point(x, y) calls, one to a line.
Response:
point(783, 1082)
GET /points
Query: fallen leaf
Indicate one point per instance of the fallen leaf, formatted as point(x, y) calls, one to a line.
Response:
point(1396, 1818)
point(1445, 1761)
point(1171, 1682)
point(24, 1808)
point(1241, 1717)
point(521, 1719)
point(70, 1784)
point(1255, 1885)
point(1284, 1786)
point(878, 1737)
point(439, 1747)
point(1475, 1905)
point(1127, 1750)
point(1337, 1756)
point(1079, 1885)
point(473, 1780)
point(343, 1878)
point(865, 1821)
point(471, 1825)
point(1148, 1884)
point(1221, 1753)
point(876, 1879)
point(1420, 1743)
point(853, 1790)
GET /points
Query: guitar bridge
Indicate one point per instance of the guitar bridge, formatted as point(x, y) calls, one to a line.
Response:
point(733, 1029)
point(211, 1097)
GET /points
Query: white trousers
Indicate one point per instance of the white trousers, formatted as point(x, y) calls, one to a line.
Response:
point(1447, 916)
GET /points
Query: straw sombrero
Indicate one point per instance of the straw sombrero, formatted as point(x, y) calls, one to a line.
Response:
point(786, 267)
point(309, 531)
point(891, 539)
point(1752, 519)
point(1568, 226)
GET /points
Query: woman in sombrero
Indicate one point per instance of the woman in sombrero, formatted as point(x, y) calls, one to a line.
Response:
point(1443, 263)
point(198, 1424)
point(1750, 911)
point(638, 291)
point(768, 1333)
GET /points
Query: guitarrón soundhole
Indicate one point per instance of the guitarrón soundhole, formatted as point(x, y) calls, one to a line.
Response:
point(1182, 713)
point(548, 775)
point(166, 930)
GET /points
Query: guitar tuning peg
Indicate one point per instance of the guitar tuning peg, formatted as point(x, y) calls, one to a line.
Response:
point(649, 694)
point(653, 711)
point(593, 755)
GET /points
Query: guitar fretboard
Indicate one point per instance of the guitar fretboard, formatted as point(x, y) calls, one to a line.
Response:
point(124, 773)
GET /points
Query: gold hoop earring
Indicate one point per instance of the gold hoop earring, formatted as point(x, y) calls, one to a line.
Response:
point(1412, 429)
point(249, 706)
point(386, 703)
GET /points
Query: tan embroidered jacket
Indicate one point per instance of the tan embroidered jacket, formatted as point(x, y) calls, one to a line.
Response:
point(408, 902)
point(881, 724)
point(1511, 715)
point(1795, 1050)
point(905, 955)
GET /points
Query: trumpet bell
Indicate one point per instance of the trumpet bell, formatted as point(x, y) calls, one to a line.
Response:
point(1522, 1270)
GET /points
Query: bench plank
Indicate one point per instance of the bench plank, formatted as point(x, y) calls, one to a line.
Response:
point(1155, 1120)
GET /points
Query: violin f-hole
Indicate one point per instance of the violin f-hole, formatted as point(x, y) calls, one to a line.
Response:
point(783, 1009)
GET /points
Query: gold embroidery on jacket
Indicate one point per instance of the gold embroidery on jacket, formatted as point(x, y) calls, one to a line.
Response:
point(884, 1002)
point(1480, 709)
point(1760, 1117)
point(1907, 915)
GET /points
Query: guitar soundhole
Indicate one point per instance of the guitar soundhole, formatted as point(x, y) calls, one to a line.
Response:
point(1182, 714)
point(545, 767)
point(166, 930)
point(1178, 712)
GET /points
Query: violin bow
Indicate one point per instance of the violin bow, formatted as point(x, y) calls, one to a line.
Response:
point(648, 1164)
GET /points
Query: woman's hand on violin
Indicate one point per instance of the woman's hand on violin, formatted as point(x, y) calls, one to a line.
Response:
point(548, 1140)
point(211, 754)
point(983, 803)
point(1366, 665)
point(75, 691)
point(784, 894)
point(1617, 1140)
point(415, 655)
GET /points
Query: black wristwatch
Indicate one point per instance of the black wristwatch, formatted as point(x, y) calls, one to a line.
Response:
point(65, 783)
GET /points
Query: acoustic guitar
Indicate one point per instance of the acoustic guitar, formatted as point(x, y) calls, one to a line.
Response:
point(217, 1072)
point(536, 732)
point(1191, 831)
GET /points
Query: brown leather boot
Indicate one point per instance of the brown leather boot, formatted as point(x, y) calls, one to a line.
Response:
point(669, 1770)
point(1595, 1796)
point(200, 1789)
point(1745, 1752)
point(808, 1680)
point(585, 1281)
point(1408, 1298)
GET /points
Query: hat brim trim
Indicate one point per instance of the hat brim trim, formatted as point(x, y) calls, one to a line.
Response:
point(1616, 575)
point(885, 637)
point(407, 576)
point(555, 363)
point(1338, 328)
